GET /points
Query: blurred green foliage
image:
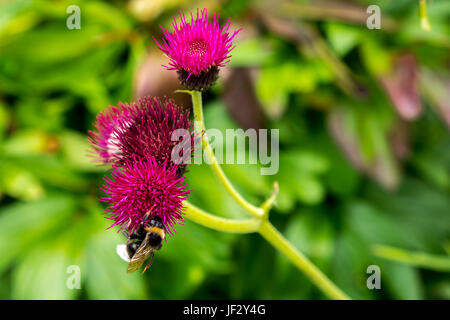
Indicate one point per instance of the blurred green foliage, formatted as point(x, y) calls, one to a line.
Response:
point(354, 172)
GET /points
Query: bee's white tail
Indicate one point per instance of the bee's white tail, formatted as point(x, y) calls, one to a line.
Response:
point(121, 250)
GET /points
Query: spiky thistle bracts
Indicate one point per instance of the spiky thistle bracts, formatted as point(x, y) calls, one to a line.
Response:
point(153, 133)
point(109, 126)
point(196, 49)
point(138, 140)
point(143, 129)
point(141, 186)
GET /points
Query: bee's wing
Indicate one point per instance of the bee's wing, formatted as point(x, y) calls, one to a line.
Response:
point(138, 259)
point(149, 264)
point(121, 250)
point(140, 256)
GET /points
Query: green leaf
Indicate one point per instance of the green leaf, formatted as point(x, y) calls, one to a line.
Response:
point(106, 276)
point(30, 223)
point(19, 183)
point(251, 52)
point(343, 38)
point(297, 176)
point(311, 232)
point(50, 170)
point(42, 275)
point(75, 149)
point(201, 252)
point(350, 265)
point(309, 190)
point(377, 60)
point(4, 119)
point(402, 281)
point(26, 142)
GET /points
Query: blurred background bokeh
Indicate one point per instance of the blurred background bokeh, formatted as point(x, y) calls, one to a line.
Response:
point(364, 119)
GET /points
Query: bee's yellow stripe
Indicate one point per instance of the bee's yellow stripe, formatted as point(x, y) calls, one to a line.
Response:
point(157, 230)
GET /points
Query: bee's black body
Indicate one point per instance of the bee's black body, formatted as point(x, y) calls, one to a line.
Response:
point(144, 241)
point(153, 228)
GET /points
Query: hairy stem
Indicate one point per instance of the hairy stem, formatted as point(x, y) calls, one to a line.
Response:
point(260, 221)
point(220, 224)
point(274, 237)
point(419, 259)
point(199, 125)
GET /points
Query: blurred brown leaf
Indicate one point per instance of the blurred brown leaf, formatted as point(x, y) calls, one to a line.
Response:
point(241, 101)
point(154, 80)
point(402, 86)
point(383, 167)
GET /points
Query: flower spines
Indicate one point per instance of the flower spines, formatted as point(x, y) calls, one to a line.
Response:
point(141, 186)
point(109, 125)
point(143, 129)
point(197, 47)
point(138, 140)
point(152, 133)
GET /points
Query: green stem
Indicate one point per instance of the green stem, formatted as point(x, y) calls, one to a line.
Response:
point(419, 259)
point(267, 205)
point(275, 238)
point(215, 166)
point(258, 224)
point(220, 224)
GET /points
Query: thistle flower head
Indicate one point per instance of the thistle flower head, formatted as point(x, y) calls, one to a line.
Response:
point(105, 140)
point(197, 49)
point(143, 129)
point(151, 133)
point(144, 186)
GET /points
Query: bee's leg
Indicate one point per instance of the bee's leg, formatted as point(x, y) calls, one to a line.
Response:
point(149, 264)
point(132, 248)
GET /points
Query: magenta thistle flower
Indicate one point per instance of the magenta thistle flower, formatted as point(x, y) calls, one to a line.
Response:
point(150, 135)
point(105, 140)
point(142, 186)
point(197, 49)
point(142, 130)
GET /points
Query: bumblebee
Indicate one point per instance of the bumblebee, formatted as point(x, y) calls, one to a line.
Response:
point(142, 243)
